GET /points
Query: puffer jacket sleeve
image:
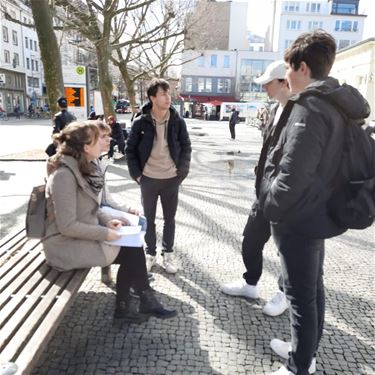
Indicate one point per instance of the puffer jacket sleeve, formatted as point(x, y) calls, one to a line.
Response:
point(131, 151)
point(305, 138)
point(185, 156)
point(63, 191)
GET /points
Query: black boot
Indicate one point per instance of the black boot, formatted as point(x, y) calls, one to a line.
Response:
point(151, 306)
point(127, 312)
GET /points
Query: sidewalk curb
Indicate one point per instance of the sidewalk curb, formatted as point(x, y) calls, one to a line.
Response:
point(17, 159)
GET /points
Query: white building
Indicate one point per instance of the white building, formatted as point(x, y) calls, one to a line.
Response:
point(355, 65)
point(340, 18)
point(238, 26)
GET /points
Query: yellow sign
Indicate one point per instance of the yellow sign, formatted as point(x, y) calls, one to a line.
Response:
point(75, 96)
point(80, 70)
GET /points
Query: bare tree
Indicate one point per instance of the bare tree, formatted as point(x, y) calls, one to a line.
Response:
point(155, 41)
point(49, 51)
point(93, 19)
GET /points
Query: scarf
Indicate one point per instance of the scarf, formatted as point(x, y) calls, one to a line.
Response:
point(96, 178)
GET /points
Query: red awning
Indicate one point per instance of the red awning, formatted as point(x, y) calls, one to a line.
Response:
point(214, 100)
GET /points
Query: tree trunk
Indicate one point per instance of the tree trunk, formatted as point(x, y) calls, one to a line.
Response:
point(105, 81)
point(49, 51)
point(129, 84)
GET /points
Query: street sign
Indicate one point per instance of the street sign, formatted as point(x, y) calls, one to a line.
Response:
point(75, 96)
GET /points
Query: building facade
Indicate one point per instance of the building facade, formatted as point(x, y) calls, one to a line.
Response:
point(214, 76)
point(217, 25)
point(355, 65)
point(340, 18)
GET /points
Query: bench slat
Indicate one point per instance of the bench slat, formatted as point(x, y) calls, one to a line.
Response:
point(12, 296)
point(18, 268)
point(17, 256)
point(28, 309)
point(7, 252)
point(10, 236)
point(40, 307)
point(31, 352)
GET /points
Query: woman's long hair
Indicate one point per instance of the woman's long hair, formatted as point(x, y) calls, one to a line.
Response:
point(71, 141)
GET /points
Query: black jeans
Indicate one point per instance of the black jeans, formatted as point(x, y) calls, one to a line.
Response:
point(302, 261)
point(132, 272)
point(232, 131)
point(256, 234)
point(167, 189)
point(113, 143)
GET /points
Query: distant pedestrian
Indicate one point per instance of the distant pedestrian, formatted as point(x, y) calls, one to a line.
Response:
point(158, 151)
point(135, 114)
point(233, 120)
point(61, 119)
point(31, 110)
point(64, 117)
point(117, 136)
point(92, 115)
point(17, 111)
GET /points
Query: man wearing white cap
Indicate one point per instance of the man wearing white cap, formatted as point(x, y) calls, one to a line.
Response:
point(257, 230)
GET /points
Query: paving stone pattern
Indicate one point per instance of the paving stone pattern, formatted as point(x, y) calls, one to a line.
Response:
point(215, 334)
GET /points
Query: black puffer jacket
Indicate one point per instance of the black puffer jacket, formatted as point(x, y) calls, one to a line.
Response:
point(141, 140)
point(62, 119)
point(301, 167)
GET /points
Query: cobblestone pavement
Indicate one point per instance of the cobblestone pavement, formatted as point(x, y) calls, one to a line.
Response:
point(216, 334)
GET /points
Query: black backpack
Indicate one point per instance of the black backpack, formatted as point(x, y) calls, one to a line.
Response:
point(352, 205)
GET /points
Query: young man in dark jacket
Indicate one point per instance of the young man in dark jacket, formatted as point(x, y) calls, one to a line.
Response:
point(64, 117)
point(299, 177)
point(257, 230)
point(158, 151)
point(61, 119)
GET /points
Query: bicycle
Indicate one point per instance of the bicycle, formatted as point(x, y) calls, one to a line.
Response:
point(4, 116)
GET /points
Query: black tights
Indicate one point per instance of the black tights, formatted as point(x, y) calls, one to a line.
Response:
point(132, 272)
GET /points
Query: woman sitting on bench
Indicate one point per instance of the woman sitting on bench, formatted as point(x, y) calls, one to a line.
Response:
point(77, 229)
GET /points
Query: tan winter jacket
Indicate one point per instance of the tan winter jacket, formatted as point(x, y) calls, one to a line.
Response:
point(74, 214)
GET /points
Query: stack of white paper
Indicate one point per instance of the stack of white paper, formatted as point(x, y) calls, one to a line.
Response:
point(131, 235)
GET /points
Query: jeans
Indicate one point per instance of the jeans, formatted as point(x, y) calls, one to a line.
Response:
point(167, 189)
point(302, 261)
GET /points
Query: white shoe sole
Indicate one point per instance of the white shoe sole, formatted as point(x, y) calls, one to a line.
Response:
point(274, 346)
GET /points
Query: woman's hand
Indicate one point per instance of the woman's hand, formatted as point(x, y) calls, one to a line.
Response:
point(133, 211)
point(117, 223)
point(113, 235)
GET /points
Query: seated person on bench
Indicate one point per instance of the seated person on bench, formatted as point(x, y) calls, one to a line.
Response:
point(77, 228)
point(117, 136)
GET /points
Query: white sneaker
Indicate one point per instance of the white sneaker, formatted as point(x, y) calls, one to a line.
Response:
point(282, 371)
point(240, 288)
point(150, 261)
point(276, 305)
point(282, 349)
point(168, 263)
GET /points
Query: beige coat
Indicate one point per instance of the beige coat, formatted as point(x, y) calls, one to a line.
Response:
point(74, 214)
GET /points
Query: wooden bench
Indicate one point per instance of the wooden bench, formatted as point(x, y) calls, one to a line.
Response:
point(33, 300)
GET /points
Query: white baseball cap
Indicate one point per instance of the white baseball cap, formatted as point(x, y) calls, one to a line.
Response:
point(275, 70)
